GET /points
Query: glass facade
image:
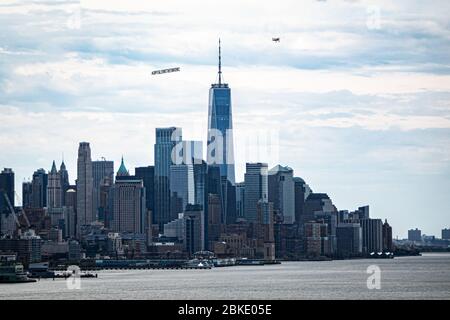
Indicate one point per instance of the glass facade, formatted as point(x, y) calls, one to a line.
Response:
point(220, 131)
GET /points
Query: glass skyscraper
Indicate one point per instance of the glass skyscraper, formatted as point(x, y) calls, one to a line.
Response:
point(220, 142)
point(220, 127)
point(166, 140)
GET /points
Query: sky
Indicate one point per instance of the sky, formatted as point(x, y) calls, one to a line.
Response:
point(355, 97)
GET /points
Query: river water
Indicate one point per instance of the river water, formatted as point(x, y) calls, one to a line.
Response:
point(425, 277)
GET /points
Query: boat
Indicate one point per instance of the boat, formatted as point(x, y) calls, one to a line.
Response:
point(199, 264)
point(12, 271)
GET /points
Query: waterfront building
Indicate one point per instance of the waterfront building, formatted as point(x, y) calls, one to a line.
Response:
point(372, 232)
point(415, 235)
point(27, 247)
point(349, 239)
point(445, 234)
point(387, 237)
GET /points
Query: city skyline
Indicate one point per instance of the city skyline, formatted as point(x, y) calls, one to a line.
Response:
point(356, 139)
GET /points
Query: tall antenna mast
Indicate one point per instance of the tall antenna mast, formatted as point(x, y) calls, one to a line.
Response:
point(220, 66)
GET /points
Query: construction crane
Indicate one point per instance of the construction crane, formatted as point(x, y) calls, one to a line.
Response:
point(13, 212)
point(22, 212)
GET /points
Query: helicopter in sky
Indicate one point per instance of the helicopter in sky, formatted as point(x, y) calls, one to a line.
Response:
point(276, 39)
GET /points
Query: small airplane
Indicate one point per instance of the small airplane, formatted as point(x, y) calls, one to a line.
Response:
point(276, 39)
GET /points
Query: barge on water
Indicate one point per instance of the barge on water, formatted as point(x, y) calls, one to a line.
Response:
point(42, 271)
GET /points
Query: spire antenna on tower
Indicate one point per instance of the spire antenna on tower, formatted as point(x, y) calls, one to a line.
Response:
point(220, 66)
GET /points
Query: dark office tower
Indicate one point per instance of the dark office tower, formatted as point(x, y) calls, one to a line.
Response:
point(39, 189)
point(26, 194)
point(194, 229)
point(301, 192)
point(220, 141)
point(349, 240)
point(316, 202)
point(256, 188)
point(6, 190)
point(147, 175)
point(230, 196)
point(105, 204)
point(166, 140)
point(7, 225)
point(214, 219)
point(65, 184)
point(214, 186)
point(362, 212)
point(387, 236)
point(240, 200)
point(200, 175)
point(69, 212)
point(85, 212)
point(102, 171)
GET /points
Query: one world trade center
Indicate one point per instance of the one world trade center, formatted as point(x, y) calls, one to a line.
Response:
point(220, 156)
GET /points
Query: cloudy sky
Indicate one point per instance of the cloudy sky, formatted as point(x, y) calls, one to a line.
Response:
point(357, 93)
